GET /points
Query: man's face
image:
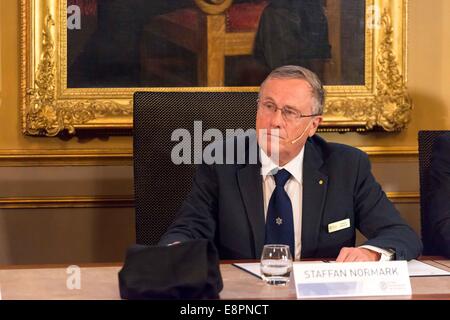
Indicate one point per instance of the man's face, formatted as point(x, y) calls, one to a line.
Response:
point(295, 94)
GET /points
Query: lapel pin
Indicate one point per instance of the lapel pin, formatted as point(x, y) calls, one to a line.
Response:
point(321, 182)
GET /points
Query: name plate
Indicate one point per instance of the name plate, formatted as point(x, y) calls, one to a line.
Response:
point(352, 279)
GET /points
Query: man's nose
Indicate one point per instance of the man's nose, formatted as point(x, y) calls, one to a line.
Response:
point(277, 119)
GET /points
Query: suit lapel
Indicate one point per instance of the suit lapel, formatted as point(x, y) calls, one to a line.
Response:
point(315, 184)
point(250, 185)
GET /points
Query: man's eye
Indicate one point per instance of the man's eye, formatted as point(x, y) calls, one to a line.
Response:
point(290, 112)
point(270, 106)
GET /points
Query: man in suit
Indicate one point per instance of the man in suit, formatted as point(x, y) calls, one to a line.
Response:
point(438, 207)
point(302, 191)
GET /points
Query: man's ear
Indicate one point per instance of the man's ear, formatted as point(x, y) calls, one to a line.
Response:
point(315, 125)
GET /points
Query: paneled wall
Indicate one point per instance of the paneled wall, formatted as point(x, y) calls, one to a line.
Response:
point(65, 214)
point(71, 201)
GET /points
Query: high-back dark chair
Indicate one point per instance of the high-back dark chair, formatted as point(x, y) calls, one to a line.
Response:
point(426, 142)
point(159, 185)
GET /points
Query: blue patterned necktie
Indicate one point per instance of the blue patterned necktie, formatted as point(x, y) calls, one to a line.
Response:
point(280, 220)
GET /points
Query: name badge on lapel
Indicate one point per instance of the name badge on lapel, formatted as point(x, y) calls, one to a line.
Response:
point(338, 225)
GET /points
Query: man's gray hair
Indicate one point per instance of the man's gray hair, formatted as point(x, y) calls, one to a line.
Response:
point(297, 72)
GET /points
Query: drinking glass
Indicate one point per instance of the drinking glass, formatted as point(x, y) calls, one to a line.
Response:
point(276, 264)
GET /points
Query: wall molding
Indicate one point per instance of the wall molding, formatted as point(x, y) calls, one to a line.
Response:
point(67, 202)
point(127, 201)
point(392, 154)
point(110, 157)
point(396, 151)
point(73, 157)
point(404, 197)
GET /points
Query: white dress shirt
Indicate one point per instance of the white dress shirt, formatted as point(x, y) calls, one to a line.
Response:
point(294, 189)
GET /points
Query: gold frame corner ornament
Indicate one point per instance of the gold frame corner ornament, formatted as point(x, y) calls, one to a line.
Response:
point(49, 107)
point(390, 107)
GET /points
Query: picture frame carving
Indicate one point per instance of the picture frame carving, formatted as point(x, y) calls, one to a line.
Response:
point(49, 107)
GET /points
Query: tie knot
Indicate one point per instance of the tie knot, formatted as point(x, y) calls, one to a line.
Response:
point(281, 177)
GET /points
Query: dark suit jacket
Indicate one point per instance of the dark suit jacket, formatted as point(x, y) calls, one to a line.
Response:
point(438, 199)
point(226, 205)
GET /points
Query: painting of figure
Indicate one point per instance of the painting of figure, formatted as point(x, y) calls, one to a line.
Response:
point(175, 43)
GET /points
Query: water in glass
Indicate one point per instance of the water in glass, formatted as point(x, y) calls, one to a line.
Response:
point(276, 264)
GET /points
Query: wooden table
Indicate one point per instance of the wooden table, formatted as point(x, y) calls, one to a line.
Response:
point(100, 281)
point(443, 262)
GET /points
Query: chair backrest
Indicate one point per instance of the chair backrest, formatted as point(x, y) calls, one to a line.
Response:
point(426, 142)
point(160, 186)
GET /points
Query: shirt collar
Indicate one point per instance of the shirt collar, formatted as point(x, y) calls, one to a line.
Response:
point(294, 167)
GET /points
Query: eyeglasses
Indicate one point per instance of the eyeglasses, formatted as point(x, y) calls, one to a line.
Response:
point(288, 113)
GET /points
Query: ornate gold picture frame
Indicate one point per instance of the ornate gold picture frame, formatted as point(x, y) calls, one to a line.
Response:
point(49, 107)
